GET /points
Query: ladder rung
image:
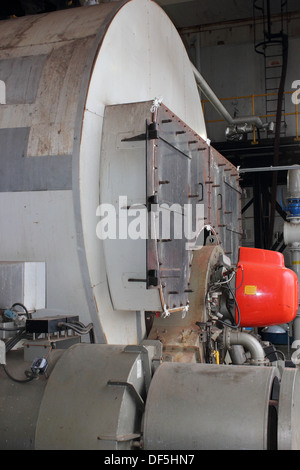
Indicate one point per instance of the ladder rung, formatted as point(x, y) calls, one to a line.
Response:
point(273, 55)
point(275, 44)
point(272, 101)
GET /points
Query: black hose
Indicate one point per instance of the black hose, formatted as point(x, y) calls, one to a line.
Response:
point(237, 325)
point(18, 304)
point(28, 379)
point(237, 306)
point(277, 351)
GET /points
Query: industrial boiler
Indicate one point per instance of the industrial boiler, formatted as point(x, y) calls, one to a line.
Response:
point(129, 307)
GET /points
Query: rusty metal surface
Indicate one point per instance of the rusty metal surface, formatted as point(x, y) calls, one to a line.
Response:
point(45, 71)
point(184, 169)
point(180, 336)
point(211, 180)
point(60, 70)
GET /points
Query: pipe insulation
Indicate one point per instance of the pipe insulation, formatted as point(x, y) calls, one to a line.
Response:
point(291, 233)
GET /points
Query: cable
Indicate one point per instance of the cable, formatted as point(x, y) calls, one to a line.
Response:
point(14, 340)
point(78, 328)
point(28, 379)
point(227, 286)
point(237, 306)
point(81, 329)
point(276, 351)
point(218, 283)
point(18, 304)
point(242, 277)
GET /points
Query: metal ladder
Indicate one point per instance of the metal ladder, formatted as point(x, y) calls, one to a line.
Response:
point(272, 46)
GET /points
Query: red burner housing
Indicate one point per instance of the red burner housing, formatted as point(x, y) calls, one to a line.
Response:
point(267, 292)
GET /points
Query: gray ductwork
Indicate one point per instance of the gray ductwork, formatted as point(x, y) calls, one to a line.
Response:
point(249, 342)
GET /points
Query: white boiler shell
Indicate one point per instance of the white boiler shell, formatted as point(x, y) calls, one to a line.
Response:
point(112, 53)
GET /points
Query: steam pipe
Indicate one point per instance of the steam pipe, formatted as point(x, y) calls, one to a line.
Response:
point(291, 232)
point(250, 343)
point(214, 100)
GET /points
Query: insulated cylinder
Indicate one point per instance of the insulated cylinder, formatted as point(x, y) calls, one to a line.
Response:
point(209, 406)
point(291, 233)
point(59, 71)
point(90, 399)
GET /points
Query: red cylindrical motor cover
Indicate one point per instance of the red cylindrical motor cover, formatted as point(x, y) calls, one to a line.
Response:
point(267, 292)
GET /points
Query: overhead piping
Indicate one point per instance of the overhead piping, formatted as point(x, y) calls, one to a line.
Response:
point(214, 100)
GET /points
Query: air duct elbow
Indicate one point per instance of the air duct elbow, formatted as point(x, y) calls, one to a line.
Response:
point(250, 343)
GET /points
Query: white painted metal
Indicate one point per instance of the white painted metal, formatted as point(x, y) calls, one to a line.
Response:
point(24, 283)
point(2, 352)
point(291, 231)
point(125, 162)
point(87, 58)
point(136, 63)
point(2, 92)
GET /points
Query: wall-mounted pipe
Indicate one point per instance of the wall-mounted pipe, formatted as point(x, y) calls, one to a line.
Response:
point(291, 234)
point(214, 100)
point(291, 231)
point(268, 168)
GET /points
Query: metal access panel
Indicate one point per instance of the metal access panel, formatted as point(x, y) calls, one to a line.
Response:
point(23, 282)
point(190, 178)
point(176, 206)
point(168, 188)
point(123, 206)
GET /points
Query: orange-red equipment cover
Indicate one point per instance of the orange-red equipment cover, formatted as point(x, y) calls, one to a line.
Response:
point(267, 292)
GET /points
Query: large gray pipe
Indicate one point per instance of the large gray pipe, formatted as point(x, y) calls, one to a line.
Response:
point(250, 343)
point(214, 100)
